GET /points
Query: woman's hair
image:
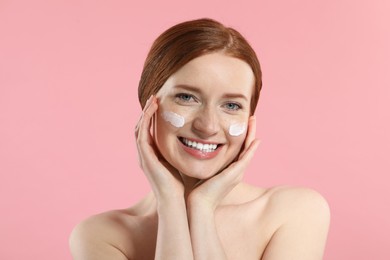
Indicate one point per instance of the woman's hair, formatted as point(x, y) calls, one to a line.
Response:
point(188, 40)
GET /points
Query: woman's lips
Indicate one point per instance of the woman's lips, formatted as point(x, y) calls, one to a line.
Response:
point(198, 153)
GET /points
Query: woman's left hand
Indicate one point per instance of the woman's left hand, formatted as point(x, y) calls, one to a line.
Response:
point(209, 193)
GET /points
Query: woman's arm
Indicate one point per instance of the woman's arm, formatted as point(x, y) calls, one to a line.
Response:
point(205, 198)
point(303, 234)
point(173, 236)
point(86, 241)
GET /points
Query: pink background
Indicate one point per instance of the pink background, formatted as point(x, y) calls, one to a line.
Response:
point(68, 84)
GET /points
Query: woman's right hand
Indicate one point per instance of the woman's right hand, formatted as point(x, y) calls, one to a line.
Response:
point(165, 180)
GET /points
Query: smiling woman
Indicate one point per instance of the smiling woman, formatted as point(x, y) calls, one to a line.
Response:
point(199, 90)
point(204, 92)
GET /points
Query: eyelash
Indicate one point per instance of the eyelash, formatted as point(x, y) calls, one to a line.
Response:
point(237, 106)
point(181, 98)
point(181, 95)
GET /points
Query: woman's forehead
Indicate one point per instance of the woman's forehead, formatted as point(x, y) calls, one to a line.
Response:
point(215, 71)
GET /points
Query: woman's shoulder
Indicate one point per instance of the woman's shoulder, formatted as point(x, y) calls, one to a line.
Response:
point(286, 192)
point(96, 235)
point(282, 203)
point(111, 233)
point(296, 198)
point(284, 195)
point(289, 197)
point(293, 218)
point(105, 222)
point(289, 206)
point(297, 220)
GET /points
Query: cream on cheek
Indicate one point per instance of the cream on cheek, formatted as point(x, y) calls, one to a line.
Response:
point(178, 121)
point(174, 119)
point(237, 129)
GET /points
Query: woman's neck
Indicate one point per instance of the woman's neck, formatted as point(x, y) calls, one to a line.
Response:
point(189, 184)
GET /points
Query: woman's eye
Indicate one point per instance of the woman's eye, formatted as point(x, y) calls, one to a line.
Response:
point(185, 97)
point(233, 106)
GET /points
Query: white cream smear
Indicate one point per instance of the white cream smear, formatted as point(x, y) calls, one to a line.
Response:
point(237, 129)
point(173, 118)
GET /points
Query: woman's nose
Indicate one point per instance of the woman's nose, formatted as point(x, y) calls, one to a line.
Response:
point(206, 123)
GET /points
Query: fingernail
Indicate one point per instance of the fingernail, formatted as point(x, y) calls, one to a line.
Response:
point(148, 101)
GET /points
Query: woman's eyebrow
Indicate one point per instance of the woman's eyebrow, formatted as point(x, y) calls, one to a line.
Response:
point(235, 95)
point(198, 90)
point(188, 87)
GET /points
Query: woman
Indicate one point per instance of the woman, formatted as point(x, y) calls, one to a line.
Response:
point(196, 136)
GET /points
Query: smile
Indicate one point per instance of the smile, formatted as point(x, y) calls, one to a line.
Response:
point(203, 147)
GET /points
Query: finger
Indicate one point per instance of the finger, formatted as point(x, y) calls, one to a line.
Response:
point(236, 170)
point(221, 184)
point(145, 125)
point(145, 146)
point(250, 135)
point(147, 104)
point(145, 121)
point(251, 131)
point(248, 154)
point(140, 119)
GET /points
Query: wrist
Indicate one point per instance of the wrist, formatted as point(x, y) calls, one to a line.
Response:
point(170, 203)
point(200, 207)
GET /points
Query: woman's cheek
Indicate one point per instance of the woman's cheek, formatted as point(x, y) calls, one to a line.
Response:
point(173, 118)
point(237, 129)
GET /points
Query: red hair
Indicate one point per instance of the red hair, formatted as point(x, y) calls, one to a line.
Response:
point(188, 40)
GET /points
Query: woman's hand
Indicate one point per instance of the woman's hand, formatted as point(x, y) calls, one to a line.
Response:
point(173, 235)
point(209, 193)
point(165, 180)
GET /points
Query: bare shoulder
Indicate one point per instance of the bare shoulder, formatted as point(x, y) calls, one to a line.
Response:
point(298, 200)
point(302, 219)
point(105, 235)
point(96, 236)
point(285, 198)
point(284, 203)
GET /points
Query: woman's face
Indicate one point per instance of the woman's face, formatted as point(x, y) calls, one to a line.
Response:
point(204, 107)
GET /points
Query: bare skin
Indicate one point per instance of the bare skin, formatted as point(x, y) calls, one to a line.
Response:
point(258, 215)
point(201, 209)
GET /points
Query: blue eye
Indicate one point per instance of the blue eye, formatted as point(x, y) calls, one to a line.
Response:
point(233, 106)
point(184, 97)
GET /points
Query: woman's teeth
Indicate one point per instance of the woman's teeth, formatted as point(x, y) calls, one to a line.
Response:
point(199, 146)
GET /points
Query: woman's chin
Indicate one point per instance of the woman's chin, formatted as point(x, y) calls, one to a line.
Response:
point(200, 172)
point(197, 175)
